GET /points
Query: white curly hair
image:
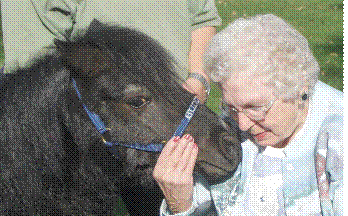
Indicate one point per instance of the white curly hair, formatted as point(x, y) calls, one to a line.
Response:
point(264, 45)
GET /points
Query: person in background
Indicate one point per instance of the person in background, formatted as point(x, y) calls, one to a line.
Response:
point(292, 125)
point(183, 27)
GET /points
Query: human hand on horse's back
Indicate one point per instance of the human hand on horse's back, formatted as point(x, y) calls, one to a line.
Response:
point(173, 172)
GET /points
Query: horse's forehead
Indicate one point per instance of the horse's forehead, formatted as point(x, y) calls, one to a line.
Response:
point(119, 87)
point(132, 88)
point(110, 83)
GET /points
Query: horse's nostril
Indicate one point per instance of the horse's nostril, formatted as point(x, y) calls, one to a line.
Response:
point(231, 139)
point(142, 167)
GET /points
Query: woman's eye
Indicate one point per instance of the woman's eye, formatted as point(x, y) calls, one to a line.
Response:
point(233, 109)
point(256, 109)
point(138, 102)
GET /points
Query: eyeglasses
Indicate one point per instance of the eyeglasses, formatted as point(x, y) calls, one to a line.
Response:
point(253, 113)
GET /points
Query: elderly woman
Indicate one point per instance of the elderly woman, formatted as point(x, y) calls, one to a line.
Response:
point(292, 124)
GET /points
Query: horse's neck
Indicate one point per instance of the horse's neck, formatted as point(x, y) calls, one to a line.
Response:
point(29, 101)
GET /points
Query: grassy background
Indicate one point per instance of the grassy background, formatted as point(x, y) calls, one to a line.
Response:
point(320, 21)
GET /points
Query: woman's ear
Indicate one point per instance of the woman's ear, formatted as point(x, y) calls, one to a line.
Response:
point(303, 98)
point(304, 94)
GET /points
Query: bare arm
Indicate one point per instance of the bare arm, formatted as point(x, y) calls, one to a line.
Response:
point(200, 39)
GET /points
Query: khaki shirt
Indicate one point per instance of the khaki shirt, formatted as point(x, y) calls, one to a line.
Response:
point(29, 27)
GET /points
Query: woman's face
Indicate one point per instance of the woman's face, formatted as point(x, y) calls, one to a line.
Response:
point(282, 120)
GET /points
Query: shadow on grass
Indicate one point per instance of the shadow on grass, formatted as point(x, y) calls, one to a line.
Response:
point(335, 45)
point(336, 6)
point(333, 76)
point(330, 55)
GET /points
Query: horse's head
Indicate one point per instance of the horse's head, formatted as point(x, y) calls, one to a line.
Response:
point(130, 81)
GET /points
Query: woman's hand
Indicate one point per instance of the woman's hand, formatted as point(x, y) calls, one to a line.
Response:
point(173, 172)
point(196, 87)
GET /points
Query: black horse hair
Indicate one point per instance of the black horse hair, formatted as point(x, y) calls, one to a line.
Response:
point(150, 64)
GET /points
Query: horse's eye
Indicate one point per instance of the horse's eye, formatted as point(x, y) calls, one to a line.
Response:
point(138, 102)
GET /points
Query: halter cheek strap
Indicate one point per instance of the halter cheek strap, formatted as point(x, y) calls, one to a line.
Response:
point(152, 147)
point(98, 123)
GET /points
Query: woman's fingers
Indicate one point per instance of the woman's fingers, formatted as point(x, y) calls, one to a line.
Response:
point(181, 147)
point(168, 148)
point(184, 160)
point(192, 160)
point(172, 153)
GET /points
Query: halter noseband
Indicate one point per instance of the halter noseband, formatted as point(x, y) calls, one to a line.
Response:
point(152, 147)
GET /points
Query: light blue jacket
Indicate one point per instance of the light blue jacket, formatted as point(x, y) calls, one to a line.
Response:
point(324, 124)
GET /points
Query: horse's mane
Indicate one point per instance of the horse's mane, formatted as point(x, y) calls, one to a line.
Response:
point(42, 80)
point(134, 56)
point(29, 129)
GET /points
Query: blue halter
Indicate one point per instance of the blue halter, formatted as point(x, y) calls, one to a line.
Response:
point(152, 147)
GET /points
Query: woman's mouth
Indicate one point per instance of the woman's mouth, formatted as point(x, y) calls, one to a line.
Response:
point(261, 136)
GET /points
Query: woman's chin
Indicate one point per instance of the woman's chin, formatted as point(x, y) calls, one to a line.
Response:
point(265, 143)
point(269, 139)
point(273, 143)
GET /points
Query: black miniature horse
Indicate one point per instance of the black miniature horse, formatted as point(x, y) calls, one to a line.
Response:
point(53, 161)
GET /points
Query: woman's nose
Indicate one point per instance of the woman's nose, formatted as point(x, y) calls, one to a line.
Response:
point(244, 122)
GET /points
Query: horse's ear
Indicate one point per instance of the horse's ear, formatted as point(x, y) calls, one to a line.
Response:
point(83, 58)
point(85, 55)
point(62, 46)
point(95, 25)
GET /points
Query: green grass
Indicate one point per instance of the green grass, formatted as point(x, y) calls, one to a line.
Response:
point(321, 22)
